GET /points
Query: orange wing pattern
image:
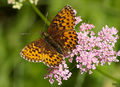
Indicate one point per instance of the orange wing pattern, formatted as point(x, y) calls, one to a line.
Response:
point(60, 34)
point(62, 29)
point(64, 20)
point(41, 51)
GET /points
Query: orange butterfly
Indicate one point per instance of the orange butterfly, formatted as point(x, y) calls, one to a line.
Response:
point(59, 40)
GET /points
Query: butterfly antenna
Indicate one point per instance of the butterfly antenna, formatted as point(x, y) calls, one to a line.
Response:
point(24, 34)
point(43, 30)
point(46, 18)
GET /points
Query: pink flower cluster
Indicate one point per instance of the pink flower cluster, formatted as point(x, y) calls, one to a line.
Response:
point(90, 51)
point(60, 73)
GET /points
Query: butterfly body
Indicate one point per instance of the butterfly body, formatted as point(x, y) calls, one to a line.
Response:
point(58, 41)
point(52, 42)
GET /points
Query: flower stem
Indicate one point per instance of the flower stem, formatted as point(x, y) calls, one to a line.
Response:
point(107, 75)
point(40, 14)
point(72, 68)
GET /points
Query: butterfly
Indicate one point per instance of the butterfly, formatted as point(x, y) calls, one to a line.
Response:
point(59, 40)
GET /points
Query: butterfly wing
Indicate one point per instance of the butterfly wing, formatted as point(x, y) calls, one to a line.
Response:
point(62, 30)
point(40, 51)
point(64, 20)
point(67, 40)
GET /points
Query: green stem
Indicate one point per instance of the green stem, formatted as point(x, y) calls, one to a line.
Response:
point(40, 14)
point(107, 75)
point(72, 68)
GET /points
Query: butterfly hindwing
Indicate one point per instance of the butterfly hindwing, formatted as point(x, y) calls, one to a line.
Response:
point(67, 40)
point(40, 51)
point(62, 30)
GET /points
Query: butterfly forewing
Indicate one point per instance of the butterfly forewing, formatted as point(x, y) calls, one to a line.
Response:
point(62, 30)
point(64, 20)
point(40, 51)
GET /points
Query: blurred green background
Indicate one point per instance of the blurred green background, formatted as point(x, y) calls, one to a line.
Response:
point(20, 27)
